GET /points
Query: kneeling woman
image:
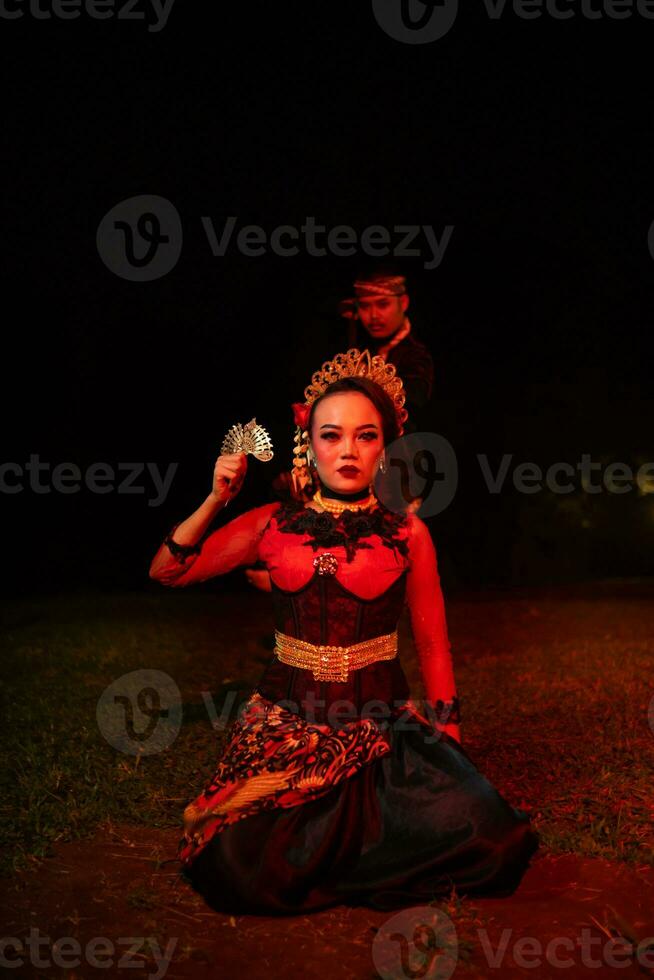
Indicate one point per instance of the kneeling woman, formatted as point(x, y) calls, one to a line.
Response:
point(333, 787)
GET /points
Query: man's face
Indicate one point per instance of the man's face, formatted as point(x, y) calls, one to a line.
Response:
point(382, 316)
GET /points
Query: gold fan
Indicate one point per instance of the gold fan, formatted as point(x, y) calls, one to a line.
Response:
point(249, 438)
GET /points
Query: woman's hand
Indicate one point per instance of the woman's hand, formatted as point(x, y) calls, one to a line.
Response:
point(228, 475)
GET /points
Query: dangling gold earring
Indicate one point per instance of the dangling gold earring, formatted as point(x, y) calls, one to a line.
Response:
point(382, 462)
point(313, 470)
point(301, 477)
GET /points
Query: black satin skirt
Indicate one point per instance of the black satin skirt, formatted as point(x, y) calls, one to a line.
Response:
point(402, 831)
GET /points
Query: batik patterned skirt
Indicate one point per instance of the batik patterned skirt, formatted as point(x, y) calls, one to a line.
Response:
point(383, 810)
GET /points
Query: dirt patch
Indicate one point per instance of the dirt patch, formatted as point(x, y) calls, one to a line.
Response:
point(116, 886)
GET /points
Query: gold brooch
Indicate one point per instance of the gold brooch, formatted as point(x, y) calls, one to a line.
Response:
point(327, 564)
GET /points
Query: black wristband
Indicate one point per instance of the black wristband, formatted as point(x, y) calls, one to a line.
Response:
point(181, 551)
point(448, 712)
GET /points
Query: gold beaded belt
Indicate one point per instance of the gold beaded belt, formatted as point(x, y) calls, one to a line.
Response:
point(333, 663)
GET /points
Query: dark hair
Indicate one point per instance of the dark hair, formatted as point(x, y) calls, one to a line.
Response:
point(376, 269)
point(374, 393)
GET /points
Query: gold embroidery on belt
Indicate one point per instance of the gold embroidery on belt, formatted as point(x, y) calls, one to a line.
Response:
point(331, 663)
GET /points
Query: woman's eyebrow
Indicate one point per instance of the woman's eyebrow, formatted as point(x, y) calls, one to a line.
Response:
point(332, 425)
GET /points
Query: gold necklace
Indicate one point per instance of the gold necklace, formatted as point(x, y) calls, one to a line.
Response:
point(337, 507)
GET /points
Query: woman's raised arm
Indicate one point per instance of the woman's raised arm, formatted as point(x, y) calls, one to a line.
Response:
point(183, 558)
point(429, 624)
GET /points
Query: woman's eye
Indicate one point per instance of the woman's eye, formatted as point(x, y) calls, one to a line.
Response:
point(332, 436)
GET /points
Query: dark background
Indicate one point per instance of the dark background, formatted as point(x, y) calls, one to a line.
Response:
point(532, 138)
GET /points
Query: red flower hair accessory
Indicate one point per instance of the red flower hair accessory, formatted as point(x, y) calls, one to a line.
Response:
point(301, 414)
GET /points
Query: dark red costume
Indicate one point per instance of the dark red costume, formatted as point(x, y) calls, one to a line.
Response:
point(376, 806)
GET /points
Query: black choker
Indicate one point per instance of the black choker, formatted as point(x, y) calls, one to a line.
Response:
point(330, 494)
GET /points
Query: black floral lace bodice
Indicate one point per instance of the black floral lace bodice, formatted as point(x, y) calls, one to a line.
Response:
point(348, 529)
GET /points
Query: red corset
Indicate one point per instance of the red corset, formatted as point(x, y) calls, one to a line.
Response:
point(325, 612)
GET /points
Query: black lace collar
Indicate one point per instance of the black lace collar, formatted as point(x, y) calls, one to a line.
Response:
point(348, 529)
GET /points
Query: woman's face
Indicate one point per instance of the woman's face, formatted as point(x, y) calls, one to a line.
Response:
point(347, 441)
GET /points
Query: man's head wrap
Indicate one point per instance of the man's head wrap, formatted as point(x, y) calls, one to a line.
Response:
point(372, 287)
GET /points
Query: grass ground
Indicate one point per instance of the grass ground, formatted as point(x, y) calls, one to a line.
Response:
point(555, 686)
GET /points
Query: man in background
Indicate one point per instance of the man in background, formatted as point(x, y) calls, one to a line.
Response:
point(377, 319)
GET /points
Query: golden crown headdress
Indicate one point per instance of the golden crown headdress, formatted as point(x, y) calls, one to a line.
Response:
point(353, 363)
